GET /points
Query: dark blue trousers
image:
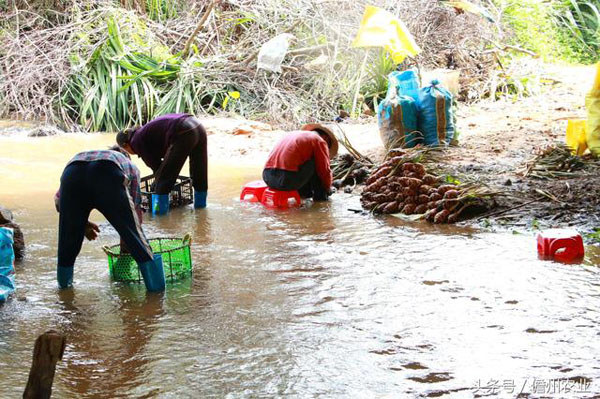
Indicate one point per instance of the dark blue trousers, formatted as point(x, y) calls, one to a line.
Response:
point(305, 181)
point(97, 185)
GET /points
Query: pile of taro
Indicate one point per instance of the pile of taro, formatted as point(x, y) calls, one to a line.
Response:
point(398, 186)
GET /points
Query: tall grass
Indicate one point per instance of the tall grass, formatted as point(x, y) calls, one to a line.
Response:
point(158, 10)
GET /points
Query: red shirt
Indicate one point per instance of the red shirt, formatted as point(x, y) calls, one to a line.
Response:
point(299, 147)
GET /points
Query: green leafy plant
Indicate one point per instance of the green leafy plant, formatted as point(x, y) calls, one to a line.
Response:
point(377, 78)
point(579, 22)
point(593, 236)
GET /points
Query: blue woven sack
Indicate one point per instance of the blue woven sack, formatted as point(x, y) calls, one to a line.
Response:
point(398, 122)
point(435, 119)
point(405, 82)
point(7, 261)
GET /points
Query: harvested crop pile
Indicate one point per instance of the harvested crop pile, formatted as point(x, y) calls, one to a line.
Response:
point(401, 185)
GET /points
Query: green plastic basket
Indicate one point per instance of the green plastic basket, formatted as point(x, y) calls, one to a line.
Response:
point(176, 256)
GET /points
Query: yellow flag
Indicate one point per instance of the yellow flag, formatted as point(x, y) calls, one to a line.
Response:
point(380, 28)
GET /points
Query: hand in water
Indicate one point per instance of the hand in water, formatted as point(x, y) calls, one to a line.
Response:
point(91, 231)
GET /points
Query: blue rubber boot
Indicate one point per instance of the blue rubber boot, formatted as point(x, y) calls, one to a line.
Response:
point(64, 276)
point(160, 204)
point(153, 274)
point(200, 199)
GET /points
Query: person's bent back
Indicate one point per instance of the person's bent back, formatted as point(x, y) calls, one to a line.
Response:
point(301, 161)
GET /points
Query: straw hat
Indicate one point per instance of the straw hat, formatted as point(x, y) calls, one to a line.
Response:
point(334, 142)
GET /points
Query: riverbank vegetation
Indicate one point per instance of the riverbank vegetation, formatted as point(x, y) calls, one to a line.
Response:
point(103, 65)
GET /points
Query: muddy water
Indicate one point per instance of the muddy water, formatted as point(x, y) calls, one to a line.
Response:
point(318, 302)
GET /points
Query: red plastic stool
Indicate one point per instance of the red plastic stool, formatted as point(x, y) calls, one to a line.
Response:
point(560, 244)
point(280, 199)
point(254, 190)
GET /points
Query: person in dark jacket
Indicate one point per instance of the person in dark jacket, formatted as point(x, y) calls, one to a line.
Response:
point(301, 161)
point(108, 181)
point(164, 144)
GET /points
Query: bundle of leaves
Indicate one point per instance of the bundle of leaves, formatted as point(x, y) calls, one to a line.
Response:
point(558, 161)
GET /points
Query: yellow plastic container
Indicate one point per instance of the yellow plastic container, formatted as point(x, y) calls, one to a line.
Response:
point(576, 135)
point(592, 103)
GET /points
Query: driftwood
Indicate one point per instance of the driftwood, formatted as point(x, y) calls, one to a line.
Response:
point(49, 349)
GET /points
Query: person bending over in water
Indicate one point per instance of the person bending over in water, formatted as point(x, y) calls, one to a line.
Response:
point(108, 181)
point(164, 144)
point(301, 161)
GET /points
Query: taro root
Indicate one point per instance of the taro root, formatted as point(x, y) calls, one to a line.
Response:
point(453, 217)
point(371, 179)
point(392, 207)
point(381, 172)
point(399, 197)
point(373, 187)
point(422, 199)
point(430, 214)
point(446, 187)
point(441, 217)
point(421, 208)
point(435, 197)
point(408, 209)
point(404, 181)
point(395, 186)
point(380, 198)
point(431, 205)
point(419, 168)
point(414, 183)
point(408, 166)
point(395, 160)
point(439, 205)
point(451, 194)
point(424, 189)
point(369, 205)
point(379, 207)
point(391, 196)
point(429, 179)
point(410, 200)
point(408, 192)
point(396, 153)
point(401, 205)
point(450, 204)
point(367, 195)
point(407, 173)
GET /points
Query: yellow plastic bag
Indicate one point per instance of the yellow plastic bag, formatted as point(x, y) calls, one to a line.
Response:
point(592, 103)
point(380, 28)
point(576, 135)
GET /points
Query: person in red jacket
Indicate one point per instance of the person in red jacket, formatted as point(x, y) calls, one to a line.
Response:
point(300, 161)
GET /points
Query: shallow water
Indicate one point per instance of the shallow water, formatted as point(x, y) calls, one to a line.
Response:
point(316, 302)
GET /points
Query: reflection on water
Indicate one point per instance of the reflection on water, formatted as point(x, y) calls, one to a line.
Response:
point(316, 302)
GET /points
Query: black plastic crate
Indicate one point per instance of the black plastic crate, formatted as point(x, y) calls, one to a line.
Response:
point(181, 194)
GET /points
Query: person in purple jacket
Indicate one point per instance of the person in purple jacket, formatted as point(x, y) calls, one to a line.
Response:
point(164, 144)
